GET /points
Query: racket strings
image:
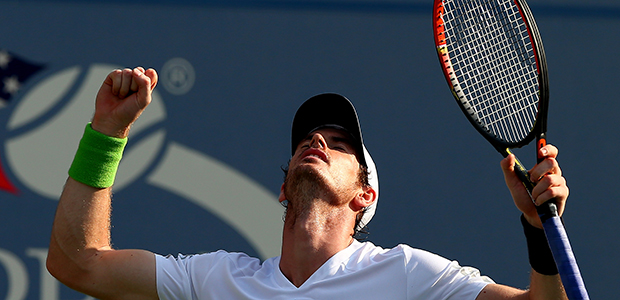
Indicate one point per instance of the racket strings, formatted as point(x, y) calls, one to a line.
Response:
point(494, 65)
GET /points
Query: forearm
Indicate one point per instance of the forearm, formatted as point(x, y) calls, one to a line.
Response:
point(546, 287)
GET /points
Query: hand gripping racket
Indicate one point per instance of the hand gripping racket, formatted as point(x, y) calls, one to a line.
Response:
point(493, 59)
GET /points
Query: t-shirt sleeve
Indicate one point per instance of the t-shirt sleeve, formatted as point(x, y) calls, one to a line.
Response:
point(176, 276)
point(434, 277)
point(195, 276)
point(173, 279)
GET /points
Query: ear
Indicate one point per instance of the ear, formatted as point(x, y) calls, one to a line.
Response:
point(281, 197)
point(366, 197)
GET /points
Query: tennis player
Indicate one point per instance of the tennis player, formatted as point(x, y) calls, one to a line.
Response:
point(330, 192)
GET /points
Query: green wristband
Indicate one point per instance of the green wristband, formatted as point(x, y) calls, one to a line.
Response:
point(97, 158)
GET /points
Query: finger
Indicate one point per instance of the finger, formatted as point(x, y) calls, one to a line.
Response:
point(152, 74)
point(549, 166)
point(548, 151)
point(143, 87)
point(134, 84)
point(115, 81)
point(550, 187)
point(557, 193)
point(126, 79)
point(139, 79)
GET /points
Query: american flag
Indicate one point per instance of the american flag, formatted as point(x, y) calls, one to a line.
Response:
point(14, 71)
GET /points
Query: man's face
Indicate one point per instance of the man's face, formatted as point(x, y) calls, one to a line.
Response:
point(325, 161)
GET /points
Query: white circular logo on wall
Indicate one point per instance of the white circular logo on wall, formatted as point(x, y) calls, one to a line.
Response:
point(178, 76)
point(41, 155)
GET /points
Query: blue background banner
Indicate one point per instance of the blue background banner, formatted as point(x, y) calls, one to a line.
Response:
point(202, 168)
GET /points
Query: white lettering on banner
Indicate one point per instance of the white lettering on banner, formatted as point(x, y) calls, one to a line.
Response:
point(18, 279)
point(17, 275)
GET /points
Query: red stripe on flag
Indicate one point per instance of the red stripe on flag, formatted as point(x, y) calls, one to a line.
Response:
point(5, 184)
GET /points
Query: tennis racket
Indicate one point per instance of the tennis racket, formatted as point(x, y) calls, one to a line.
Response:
point(493, 59)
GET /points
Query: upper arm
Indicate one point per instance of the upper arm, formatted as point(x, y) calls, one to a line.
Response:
point(498, 292)
point(541, 287)
point(111, 274)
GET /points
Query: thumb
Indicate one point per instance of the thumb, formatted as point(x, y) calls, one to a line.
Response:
point(152, 74)
point(508, 168)
point(508, 165)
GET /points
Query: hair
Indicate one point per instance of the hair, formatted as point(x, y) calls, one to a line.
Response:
point(359, 233)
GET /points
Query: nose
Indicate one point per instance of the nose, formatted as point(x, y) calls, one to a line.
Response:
point(318, 141)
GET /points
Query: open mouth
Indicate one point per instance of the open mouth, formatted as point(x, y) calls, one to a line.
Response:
point(315, 153)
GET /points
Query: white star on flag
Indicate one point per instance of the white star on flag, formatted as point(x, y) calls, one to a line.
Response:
point(5, 59)
point(14, 71)
point(11, 85)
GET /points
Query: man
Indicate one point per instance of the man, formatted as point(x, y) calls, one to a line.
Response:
point(330, 191)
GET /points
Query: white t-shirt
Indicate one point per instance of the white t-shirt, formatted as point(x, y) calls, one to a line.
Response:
point(361, 271)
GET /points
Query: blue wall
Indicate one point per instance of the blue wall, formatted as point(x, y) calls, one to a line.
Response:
point(252, 64)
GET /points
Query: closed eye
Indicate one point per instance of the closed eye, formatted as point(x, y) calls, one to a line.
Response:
point(341, 144)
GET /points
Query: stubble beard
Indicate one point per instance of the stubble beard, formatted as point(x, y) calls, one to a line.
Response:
point(303, 188)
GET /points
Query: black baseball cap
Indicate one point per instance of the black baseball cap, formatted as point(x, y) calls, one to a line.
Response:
point(327, 110)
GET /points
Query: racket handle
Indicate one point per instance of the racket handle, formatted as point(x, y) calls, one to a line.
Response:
point(562, 251)
point(523, 175)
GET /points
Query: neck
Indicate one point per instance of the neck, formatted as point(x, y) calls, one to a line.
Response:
point(311, 238)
